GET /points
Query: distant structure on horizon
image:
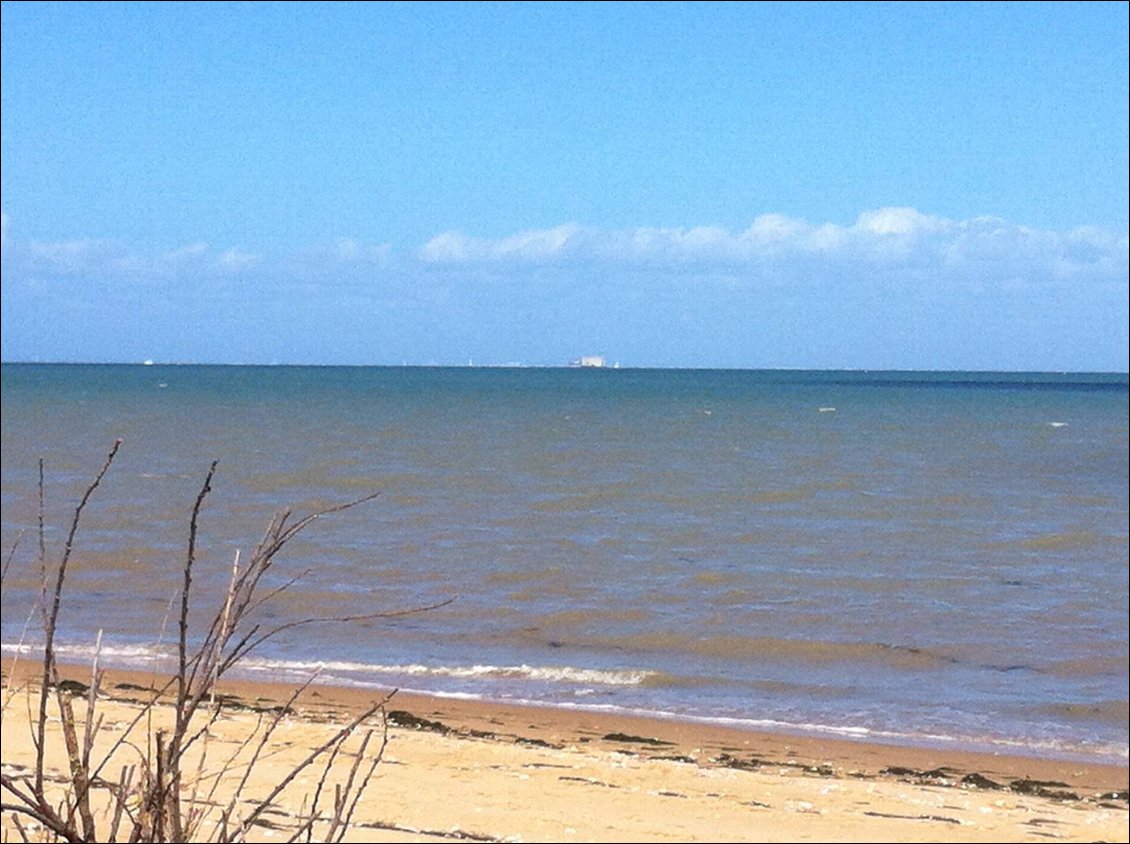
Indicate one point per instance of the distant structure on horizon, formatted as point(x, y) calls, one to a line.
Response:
point(589, 361)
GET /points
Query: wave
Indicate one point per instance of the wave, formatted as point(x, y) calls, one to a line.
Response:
point(129, 655)
point(158, 656)
point(545, 673)
point(575, 687)
point(727, 648)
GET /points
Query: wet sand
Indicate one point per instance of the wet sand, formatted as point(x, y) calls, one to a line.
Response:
point(466, 769)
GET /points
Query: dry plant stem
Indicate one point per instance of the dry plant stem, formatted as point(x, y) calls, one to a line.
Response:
point(20, 828)
point(79, 755)
point(35, 803)
point(217, 779)
point(254, 643)
point(343, 813)
point(124, 781)
point(335, 740)
point(147, 800)
point(307, 827)
point(264, 737)
point(183, 713)
point(182, 641)
point(50, 672)
point(11, 555)
point(209, 662)
point(79, 780)
point(92, 725)
point(42, 535)
point(189, 821)
point(42, 558)
point(156, 795)
point(8, 690)
point(144, 713)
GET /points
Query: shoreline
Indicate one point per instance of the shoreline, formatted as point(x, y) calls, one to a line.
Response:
point(548, 722)
point(523, 764)
point(783, 732)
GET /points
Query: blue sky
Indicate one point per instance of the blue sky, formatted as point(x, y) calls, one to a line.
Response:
point(917, 186)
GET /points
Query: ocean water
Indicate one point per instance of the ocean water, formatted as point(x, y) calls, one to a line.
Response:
point(928, 558)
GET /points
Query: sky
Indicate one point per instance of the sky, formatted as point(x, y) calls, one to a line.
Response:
point(747, 185)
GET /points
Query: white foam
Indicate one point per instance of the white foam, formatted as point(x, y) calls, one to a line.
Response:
point(551, 674)
point(348, 671)
point(368, 675)
point(126, 653)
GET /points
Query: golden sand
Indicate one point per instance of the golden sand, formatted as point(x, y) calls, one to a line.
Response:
point(457, 769)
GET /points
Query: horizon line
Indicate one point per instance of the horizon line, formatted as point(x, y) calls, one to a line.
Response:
point(570, 366)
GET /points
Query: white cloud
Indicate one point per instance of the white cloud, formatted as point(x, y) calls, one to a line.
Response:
point(76, 257)
point(898, 221)
point(534, 245)
point(185, 253)
point(769, 229)
point(885, 239)
point(91, 260)
point(346, 250)
point(893, 287)
point(448, 247)
point(538, 245)
point(235, 260)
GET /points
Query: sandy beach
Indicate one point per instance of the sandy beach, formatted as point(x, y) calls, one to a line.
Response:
point(472, 770)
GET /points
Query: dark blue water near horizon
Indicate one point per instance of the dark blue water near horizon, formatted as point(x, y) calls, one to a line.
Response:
point(926, 557)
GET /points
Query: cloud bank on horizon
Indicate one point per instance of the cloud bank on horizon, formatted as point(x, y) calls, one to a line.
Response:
point(881, 237)
point(894, 289)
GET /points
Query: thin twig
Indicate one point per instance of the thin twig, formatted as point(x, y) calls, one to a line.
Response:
point(182, 642)
point(359, 793)
point(317, 798)
point(264, 738)
point(341, 796)
point(121, 795)
point(50, 671)
point(338, 737)
point(341, 619)
point(147, 795)
point(11, 554)
point(90, 730)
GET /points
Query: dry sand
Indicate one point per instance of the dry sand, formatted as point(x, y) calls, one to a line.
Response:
point(456, 769)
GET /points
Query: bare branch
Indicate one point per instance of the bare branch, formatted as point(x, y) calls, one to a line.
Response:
point(50, 672)
point(124, 780)
point(152, 799)
point(182, 642)
point(338, 737)
point(11, 554)
point(239, 654)
point(272, 724)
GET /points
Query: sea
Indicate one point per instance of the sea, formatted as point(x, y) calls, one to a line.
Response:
point(925, 558)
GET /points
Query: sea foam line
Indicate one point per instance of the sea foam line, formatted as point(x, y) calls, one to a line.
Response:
point(133, 655)
point(553, 674)
point(360, 674)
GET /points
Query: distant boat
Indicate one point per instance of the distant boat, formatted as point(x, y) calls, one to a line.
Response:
point(589, 362)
